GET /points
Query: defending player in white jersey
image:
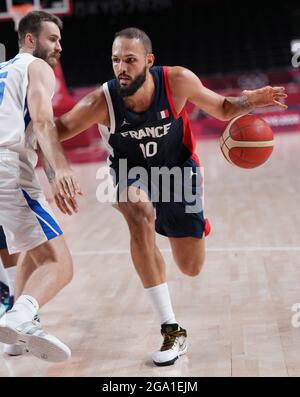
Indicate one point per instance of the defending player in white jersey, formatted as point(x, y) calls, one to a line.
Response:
point(27, 85)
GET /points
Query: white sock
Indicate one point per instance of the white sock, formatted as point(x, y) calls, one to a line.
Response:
point(161, 302)
point(11, 276)
point(24, 309)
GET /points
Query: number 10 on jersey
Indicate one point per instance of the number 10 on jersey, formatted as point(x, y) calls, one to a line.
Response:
point(149, 149)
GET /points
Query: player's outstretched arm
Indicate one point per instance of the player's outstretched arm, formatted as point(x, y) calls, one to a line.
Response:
point(40, 89)
point(92, 109)
point(186, 86)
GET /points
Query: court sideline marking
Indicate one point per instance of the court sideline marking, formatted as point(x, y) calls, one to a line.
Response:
point(217, 249)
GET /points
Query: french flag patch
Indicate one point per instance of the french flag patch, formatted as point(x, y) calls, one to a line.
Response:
point(163, 114)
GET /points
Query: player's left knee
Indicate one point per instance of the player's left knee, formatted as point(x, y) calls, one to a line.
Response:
point(65, 269)
point(68, 274)
point(193, 267)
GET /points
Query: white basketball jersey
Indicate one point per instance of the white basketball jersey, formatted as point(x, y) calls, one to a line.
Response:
point(13, 91)
point(15, 132)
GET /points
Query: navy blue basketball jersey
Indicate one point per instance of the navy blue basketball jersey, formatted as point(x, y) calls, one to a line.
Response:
point(155, 138)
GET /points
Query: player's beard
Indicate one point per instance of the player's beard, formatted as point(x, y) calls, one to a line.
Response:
point(43, 54)
point(134, 86)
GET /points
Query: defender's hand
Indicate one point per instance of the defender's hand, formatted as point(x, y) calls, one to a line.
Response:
point(66, 183)
point(266, 96)
point(67, 205)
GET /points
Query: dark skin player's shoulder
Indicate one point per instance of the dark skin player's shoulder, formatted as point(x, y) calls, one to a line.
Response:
point(176, 73)
point(181, 80)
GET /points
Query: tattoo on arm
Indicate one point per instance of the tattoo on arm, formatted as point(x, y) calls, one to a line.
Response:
point(235, 106)
point(49, 171)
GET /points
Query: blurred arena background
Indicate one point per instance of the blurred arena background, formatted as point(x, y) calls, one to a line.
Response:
point(239, 311)
point(228, 48)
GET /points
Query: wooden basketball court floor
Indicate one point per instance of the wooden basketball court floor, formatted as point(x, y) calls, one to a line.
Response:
point(237, 312)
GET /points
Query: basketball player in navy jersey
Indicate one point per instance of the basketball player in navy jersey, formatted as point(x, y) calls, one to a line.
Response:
point(142, 119)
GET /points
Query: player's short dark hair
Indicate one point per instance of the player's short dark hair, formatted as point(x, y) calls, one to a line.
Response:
point(32, 23)
point(135, 33)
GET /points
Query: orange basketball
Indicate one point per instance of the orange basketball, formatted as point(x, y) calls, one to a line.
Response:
point(247, 141)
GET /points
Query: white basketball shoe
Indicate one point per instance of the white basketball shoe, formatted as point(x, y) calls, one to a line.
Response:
point(174, 345)
point(17, 349)
point(31, 336)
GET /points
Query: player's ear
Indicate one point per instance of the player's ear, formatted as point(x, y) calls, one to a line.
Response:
point(150, 60)
point(30, 40)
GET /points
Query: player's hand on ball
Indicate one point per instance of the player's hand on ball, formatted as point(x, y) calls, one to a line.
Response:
point(266, 96)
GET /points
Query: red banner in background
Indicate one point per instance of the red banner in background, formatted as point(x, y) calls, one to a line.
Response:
point(232, 85)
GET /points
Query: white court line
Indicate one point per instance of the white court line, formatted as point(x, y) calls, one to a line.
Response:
point(220, 249)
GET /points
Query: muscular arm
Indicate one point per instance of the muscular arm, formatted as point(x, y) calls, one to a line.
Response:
point(39, 94)
point(92, 109)
point(40, 90)
point(46, 166)
point(186, 86)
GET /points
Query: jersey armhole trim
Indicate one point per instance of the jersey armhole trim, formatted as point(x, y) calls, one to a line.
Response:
point(169, 94)
point(110, 108)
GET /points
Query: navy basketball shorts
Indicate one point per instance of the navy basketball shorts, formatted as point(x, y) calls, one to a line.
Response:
point(3, 244)
point(177, 197)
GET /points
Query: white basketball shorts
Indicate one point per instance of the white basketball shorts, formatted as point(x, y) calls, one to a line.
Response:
point(25, 214)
